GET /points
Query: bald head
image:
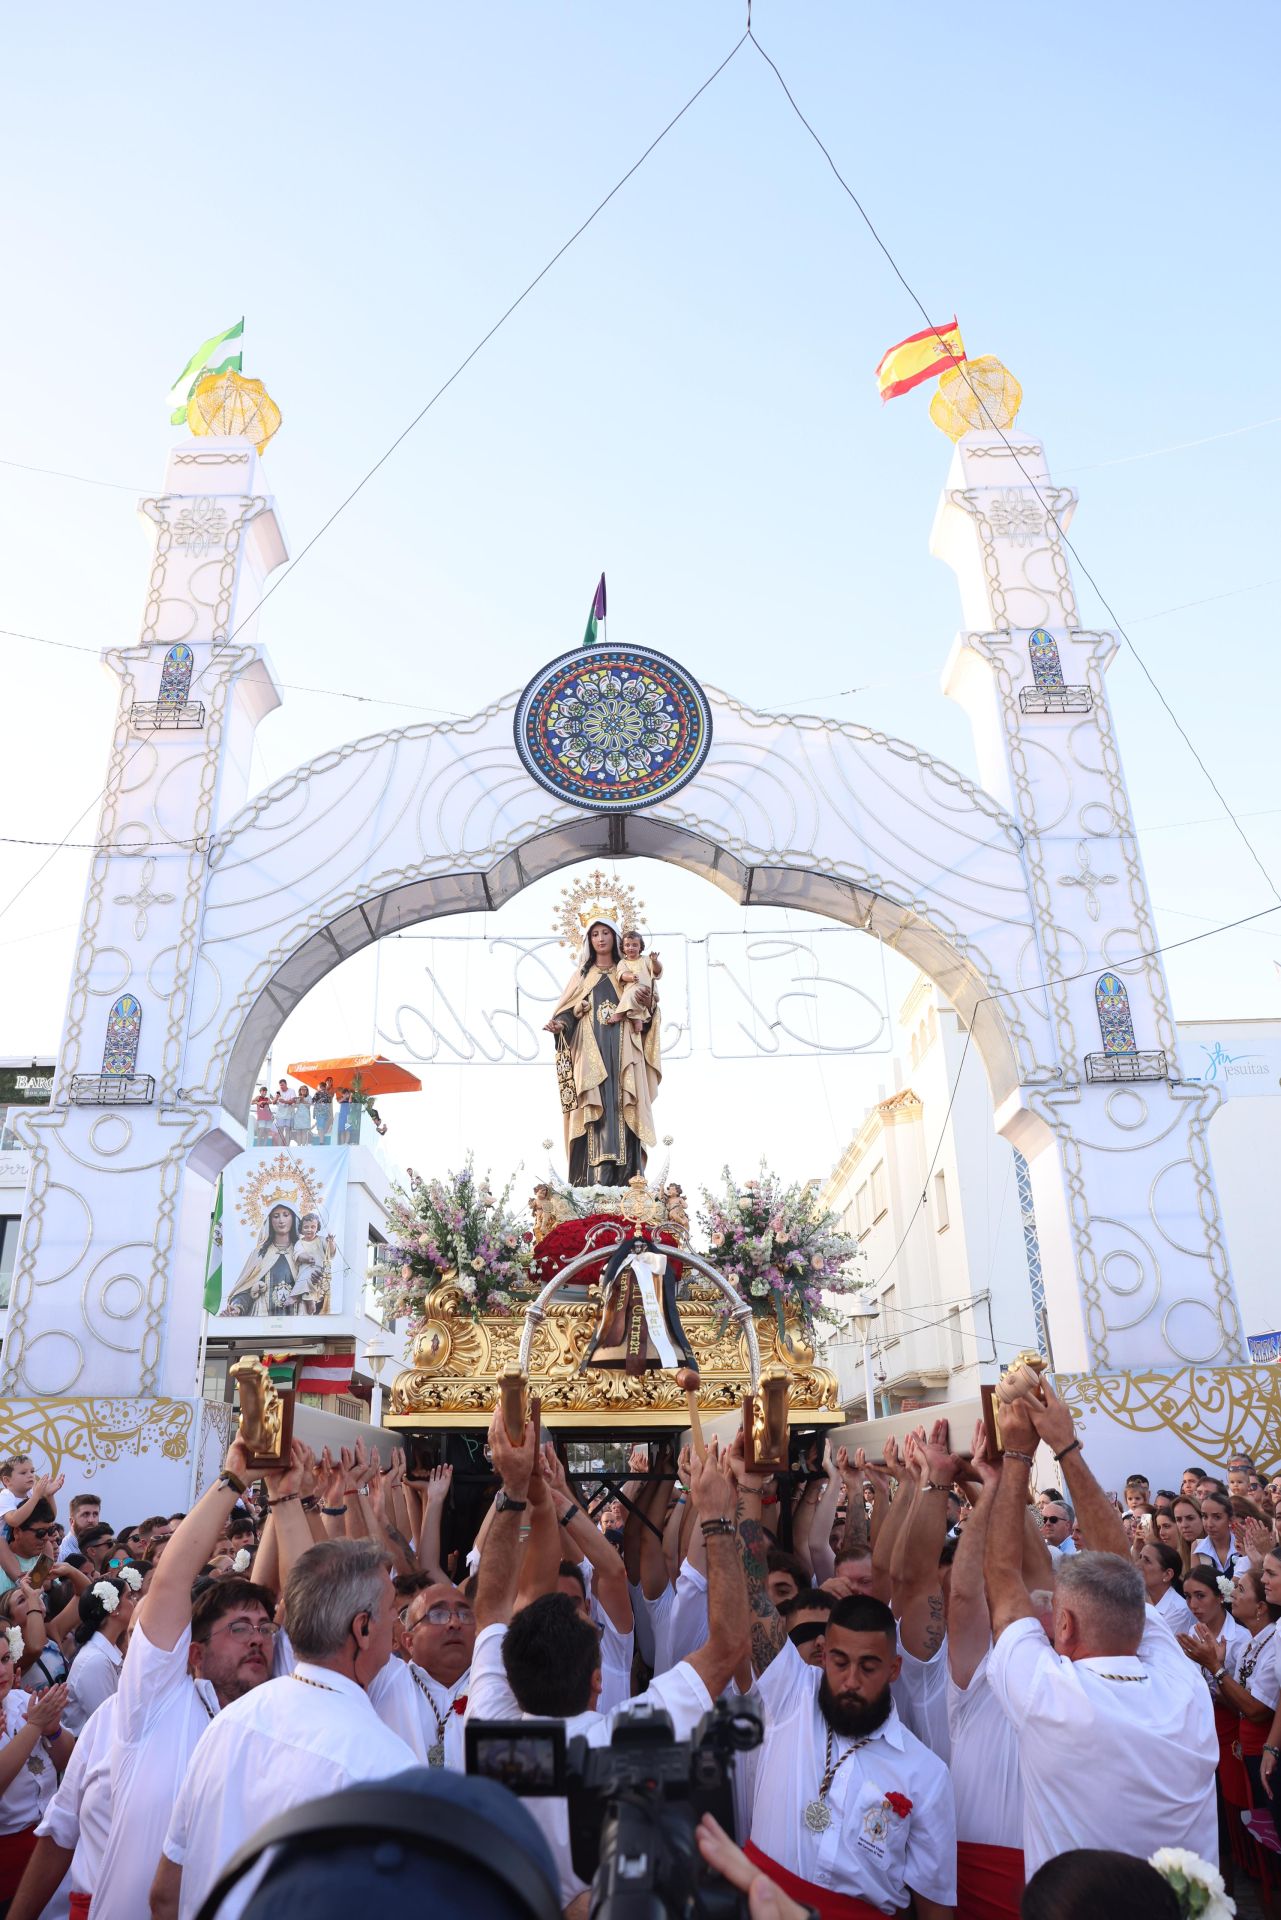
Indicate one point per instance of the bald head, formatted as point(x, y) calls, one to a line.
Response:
point(440, 1632)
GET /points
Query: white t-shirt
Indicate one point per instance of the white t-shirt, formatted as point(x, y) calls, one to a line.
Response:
point(868, 1850)
point(26, 1797)
point(421, 1710)
point(1133, 1733)
point(920, 1694)
point(659, 1613)
point(160, 1714)
point(986, 1783)
point(680, 1693)
point(1254, 1665)
point(94, 1677)
point(79, 1815)
point(288, 1741)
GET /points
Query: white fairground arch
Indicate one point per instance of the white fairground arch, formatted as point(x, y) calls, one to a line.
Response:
point(218, 912)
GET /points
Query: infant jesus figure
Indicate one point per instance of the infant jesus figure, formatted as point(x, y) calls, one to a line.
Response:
point(635, 976)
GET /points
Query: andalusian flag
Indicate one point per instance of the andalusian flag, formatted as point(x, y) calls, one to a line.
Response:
point(198, 366)
point(596, 618)
point(213, 1257)
point(922, 356)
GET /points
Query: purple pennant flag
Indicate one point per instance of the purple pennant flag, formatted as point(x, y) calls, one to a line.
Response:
point(599, 606)
point(596, 616)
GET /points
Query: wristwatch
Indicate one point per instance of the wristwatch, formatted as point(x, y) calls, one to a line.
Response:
point(506, 1504)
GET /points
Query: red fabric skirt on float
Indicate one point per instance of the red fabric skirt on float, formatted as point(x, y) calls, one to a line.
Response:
point(832, 1906)
point(989, 1881)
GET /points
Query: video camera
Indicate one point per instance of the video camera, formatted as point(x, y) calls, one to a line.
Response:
point(634, 1805)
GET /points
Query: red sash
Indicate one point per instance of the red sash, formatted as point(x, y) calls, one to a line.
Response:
point(989, 1881)
point(15, 1851)
point(832, 1906)
point(77, 1906)
point(1253, 1735)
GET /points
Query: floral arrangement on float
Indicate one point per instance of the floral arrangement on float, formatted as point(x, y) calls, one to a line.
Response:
point(455, 1229)
point(781, 1247)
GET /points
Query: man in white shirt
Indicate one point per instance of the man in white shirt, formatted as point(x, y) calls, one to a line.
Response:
point(291, 1740)
point(545, 1662)
point(1057, 1521)
point(423, 1698)
point(849, 1806)
point(184, 1665)
point(1116, 1733)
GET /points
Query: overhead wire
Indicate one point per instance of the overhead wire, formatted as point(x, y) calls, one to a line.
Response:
point(405, 431)
point(1014, 455)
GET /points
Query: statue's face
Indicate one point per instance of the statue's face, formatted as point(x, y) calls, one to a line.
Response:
point(602, 940)
point(632, 946)
point(281, 1221)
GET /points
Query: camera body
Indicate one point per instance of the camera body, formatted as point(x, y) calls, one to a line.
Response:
point(634, 1805)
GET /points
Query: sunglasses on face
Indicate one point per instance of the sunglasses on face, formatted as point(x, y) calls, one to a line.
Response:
point(44, 1533)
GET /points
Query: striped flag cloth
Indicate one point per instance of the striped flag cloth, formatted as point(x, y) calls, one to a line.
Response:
point(213, 1254)
point(198, 366)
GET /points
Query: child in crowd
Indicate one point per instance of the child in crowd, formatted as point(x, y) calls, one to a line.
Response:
point(262, 1118)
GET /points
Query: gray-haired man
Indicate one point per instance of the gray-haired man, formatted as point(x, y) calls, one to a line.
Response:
point(309, 1733)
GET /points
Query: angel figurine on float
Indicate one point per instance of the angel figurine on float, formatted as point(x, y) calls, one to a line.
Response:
point(608, 1068)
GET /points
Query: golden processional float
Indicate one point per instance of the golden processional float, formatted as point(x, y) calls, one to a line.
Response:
point(606, 1325)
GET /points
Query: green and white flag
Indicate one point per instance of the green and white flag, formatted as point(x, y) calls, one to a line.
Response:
point(213, 1257)
point(198, 366)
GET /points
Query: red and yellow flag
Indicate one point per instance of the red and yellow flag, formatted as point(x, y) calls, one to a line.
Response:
point(922, 356)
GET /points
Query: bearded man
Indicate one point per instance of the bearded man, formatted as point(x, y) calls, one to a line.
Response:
point(851, 1814)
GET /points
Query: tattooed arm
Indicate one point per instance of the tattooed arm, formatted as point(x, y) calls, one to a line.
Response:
point(769, 1635)
point(918, 1590)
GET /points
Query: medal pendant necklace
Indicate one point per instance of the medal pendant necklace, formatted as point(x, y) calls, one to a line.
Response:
point(818, 1815)
point(436, 1753)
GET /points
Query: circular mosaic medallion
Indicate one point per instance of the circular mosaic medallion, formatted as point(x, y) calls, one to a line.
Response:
point(613, 728)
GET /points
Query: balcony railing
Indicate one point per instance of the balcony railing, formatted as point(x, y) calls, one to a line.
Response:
point(1117, 1069)
point(1056, 699)
point(188, 715)
point(113, 1089)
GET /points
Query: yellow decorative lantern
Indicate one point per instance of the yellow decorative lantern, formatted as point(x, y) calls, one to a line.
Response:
point(979, 396)
point(228, 405)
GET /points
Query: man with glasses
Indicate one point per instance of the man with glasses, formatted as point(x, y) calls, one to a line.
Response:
point(438, 1632)
point(39, 1535)
point(185, 1665)
point(1057, 1520)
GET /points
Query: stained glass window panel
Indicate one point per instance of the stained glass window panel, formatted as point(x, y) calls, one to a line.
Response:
point(124, 1025)
point(1115, 1024)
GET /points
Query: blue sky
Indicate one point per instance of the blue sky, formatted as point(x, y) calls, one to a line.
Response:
point(687, 400)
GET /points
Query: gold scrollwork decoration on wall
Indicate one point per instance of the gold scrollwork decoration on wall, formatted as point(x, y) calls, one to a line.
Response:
point(89, 1434)
point(1214, 1411)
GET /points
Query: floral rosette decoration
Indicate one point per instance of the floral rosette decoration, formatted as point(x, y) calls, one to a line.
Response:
point(781, 1247)
point(456, 1229)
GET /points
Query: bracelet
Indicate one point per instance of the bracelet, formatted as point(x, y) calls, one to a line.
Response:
point(1073, 1446)
point(333, 1512)
point(1274, 1751)
point(566, 1518)
point(1012, 1453)
point(936, 1486)
point(281, 1499)
point(709, 1527)
point(769, 1499)
point(309, 1503)
point(232, 1480)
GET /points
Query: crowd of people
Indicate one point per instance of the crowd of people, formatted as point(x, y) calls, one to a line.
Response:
point(319, 1116)
point(977, 1698)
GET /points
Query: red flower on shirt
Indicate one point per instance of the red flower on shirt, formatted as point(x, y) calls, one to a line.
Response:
point(898, 1803)
point(460, 1705)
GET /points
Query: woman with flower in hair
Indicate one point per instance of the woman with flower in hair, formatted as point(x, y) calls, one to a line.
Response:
point(1248, 1676)
point(1208, 1595)
point(105, 1613)
point(34, 1748)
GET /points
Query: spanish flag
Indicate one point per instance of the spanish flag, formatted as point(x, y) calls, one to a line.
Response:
point(922, 356)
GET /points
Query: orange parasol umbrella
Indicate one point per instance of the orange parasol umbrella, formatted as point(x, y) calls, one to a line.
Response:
point(374, 1071)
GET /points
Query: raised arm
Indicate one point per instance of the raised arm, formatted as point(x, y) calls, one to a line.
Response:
point(714, 1494)
point(501, 1558)
point(768, 1633)
point(1099, 1521)
point(286, 1522)
point(822, 1559)
point(436, 1492)
point(609, 1576)
point(46, 1487)
point(540, 1562)
point(653, 1565)
point(165, 1609)
point(855, 1533)
point(969, 1625)
point(885, 1538)
point(918, 1590)
point(1007, 1598)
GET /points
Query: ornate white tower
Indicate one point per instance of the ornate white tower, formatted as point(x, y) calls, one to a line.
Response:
point(1134, 1259)
point(106, 1292)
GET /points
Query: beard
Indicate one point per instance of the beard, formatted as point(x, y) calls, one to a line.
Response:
point(853, 1722)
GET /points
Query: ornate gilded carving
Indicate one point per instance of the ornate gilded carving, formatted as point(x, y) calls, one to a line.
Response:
point(90, 1434)
point(457, 1362)
point(1213, 1411)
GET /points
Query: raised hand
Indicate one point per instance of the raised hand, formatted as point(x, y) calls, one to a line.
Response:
point(749, 1482)
point(984, 1466)
point(712, 1485)
point(439, 1481)
point(287, 1480)
point(638, 1460)
point(893, 1464)
point(515, 1465)
point(942, 1465)
point(554, 1472)
point(44, 1710)
point(1017, 1431)
point(1052, 1420)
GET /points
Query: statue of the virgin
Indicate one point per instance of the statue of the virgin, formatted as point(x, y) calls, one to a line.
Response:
point(608, 1065)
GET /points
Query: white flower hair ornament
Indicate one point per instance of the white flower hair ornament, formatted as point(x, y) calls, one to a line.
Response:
point(106, 1595)
point(131, 1578)
point(242, 1561)
point(1225, 1584)
point(14, 1636)
point(1197, 1885)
